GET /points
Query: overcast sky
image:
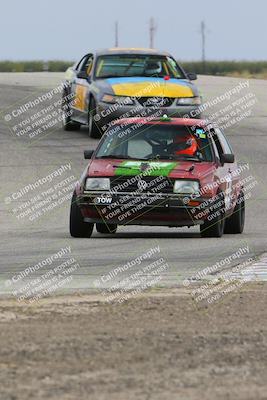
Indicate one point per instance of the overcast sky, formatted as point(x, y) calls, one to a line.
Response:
point(67, 29)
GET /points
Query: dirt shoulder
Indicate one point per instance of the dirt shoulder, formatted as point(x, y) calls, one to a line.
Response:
point(157, 346)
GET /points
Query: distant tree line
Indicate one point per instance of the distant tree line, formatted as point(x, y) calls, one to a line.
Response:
point(221, 68)
point(34, 66)
point(226, 67)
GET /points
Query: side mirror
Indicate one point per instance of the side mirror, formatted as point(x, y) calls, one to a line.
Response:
point(227, 159)
point(82, 75)
point(88, 154)
point(192, 76)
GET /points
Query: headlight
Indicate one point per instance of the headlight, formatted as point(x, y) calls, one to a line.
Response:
point(110, 99)
point(97, 184)
point(189, 101)
point(186, 187)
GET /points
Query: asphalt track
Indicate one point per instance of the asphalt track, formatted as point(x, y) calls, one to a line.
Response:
point(24, 161)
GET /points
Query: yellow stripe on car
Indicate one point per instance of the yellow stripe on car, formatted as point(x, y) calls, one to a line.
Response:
point(161, 90)
point(80, 95)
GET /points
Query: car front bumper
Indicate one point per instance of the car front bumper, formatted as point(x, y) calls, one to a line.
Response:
point(145, 209)
point(109, 112)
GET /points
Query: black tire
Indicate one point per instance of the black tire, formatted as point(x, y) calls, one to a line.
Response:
point(93, 129)
point(106, 228)
point(215, 227)
point(78, 228)
point(236, 222)
point(67, 123)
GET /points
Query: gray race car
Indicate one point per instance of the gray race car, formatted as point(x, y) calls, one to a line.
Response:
point(125, 83)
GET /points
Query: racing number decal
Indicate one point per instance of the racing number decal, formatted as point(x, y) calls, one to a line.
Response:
point(80, 97)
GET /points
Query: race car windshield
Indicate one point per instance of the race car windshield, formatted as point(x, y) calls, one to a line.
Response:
point(152, 142)
point(110, 66)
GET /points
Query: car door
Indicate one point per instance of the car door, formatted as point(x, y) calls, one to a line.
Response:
point(81, 88)
point(228, 177)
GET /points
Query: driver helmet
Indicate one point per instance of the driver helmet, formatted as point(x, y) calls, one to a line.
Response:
point(185, 145)
point(153, 67)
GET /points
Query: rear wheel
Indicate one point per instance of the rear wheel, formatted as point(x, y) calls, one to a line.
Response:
point(106, 228)
point(67, 123)
point(236, 222)
point(78, 228)
point(214, 227)
point(93, 130)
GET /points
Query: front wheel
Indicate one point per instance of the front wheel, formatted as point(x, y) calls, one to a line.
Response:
point(93, 130)
point(214, 226)
point(78, 228)
point(236, 222)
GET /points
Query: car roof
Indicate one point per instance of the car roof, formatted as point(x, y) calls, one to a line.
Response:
point(160, 121)
point(131, 50)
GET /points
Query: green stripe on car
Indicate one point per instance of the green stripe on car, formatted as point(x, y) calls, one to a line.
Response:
point(152, 168)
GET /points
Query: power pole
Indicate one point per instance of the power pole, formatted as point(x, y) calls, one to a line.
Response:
point(203, 38)
point(152, 31)
point(116, 34)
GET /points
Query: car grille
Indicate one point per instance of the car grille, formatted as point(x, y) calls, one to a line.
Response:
point(146, 184)
point(156, 101)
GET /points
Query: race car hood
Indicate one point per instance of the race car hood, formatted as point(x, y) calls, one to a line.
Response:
point(147, 87)
point(202, 171)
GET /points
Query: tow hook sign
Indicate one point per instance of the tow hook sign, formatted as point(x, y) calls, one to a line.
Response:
point(103, 200)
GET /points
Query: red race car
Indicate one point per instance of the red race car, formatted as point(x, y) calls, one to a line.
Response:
point(168, 172)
